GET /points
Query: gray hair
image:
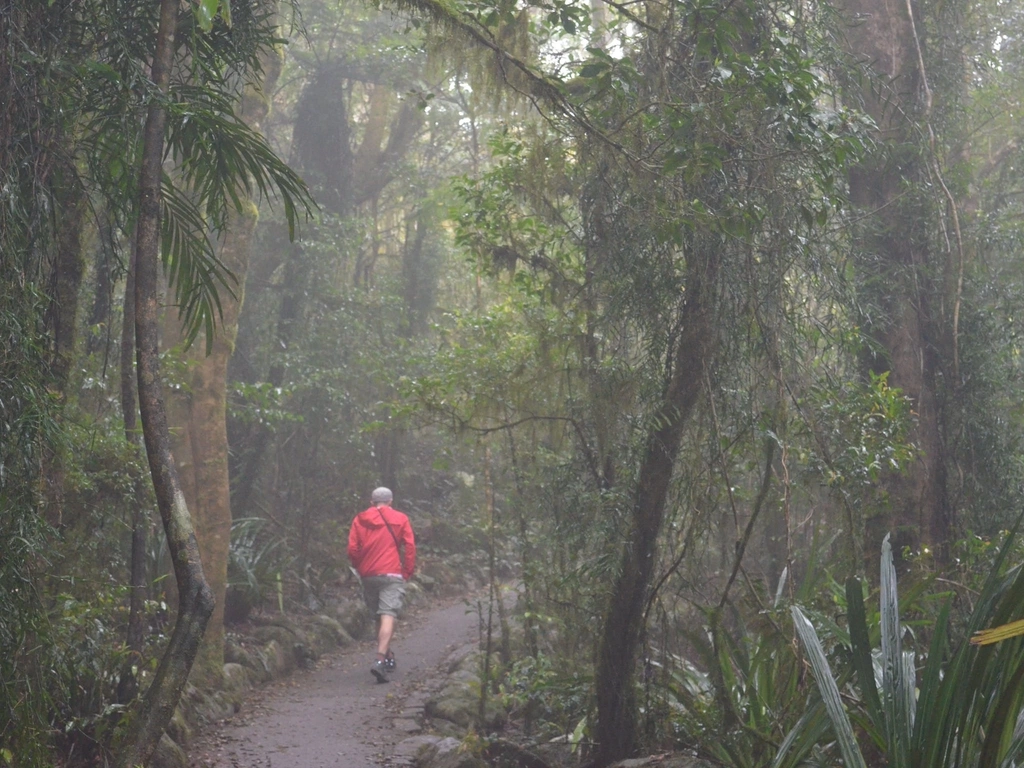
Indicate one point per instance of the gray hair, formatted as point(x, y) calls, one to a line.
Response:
point(381, 496)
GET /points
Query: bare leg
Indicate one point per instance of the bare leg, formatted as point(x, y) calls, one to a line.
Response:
point(385, 631)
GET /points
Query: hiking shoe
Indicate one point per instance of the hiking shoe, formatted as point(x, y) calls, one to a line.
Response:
point(389, 662)
point(380, 671)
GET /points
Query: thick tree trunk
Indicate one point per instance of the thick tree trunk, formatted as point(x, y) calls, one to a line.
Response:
point(894, 242)
point(322, 153)
point(256, 441)
point(200, 415)
point(916, 498)
point(195, 599)
point(622, 628)
point(201, 443)
point(342, 180)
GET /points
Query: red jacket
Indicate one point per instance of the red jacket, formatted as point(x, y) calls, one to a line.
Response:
point(371, 548)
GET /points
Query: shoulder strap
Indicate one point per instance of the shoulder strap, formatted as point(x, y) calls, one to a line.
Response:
point(401, 556)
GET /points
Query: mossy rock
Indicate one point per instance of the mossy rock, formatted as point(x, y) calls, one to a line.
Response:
point(427, 582)
point(663, 761)
point(257, 661)
point(236, 677)
point(285, 636)
point(179, 729)
point(448, 753)
point(168, 755)
point(329, 633)
point(237, 653)
point(460, 658)
point(459, 702)
point(355, 618)
point(277, 660)
point(218, 705)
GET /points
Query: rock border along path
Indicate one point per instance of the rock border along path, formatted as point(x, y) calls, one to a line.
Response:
point(337, 715)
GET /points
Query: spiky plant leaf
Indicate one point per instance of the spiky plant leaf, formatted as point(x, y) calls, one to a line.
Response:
point(808, 731)
point(860, 644)
point(829, 691)
point(894, 683)
point(998, 634)
point(925, 744)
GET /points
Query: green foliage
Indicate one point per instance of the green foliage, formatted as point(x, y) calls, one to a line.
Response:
point(261, 403)
point(74, 84)
point(88, 656)
point(862, 428)
point(25, 694)
point(964, 707)
point(218, 159)
point(737, 712)
point(62, 631)
point(256, 561)
point(736, 686)
point(553, 702)
point(30, 432)
point(986, 419)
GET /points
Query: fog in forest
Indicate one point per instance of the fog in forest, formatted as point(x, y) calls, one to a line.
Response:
point(685, 332)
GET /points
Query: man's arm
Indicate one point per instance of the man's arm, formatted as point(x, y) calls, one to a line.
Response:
point(409, 545)
point(355, 546)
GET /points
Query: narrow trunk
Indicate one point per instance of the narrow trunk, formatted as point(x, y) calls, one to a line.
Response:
point(127, 687)
point(195, 599)
point(99, 315)
point(622, 628)
point(68, 270)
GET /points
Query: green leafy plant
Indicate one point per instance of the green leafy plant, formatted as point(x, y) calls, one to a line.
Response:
point(738, 711)
point(960, 709)
point(552, 702)
point(254, 567)
point(739, 690)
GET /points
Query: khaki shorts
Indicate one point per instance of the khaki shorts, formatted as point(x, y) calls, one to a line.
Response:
point(384, 594)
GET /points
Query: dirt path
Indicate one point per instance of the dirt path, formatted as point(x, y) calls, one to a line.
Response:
point(337, 715)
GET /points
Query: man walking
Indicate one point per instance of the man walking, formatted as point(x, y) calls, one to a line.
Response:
point(382, 549)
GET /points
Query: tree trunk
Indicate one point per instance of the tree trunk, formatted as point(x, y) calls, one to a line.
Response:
point(99, 315)
point(256, 440)
point(200, 418)
point(620, 636)
point(342, 180)
point(322, 152)
point(200, 414)
point(68, 270)
point(894, 241)
point(62, 314)
point(195, 599)
point(127, 686)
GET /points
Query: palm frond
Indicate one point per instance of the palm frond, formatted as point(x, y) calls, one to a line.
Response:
point(193, 270)
point(221, 158)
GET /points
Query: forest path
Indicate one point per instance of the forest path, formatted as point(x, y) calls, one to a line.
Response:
point(337, 715)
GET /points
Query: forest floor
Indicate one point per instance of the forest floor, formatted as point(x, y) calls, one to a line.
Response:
point(336, 715)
